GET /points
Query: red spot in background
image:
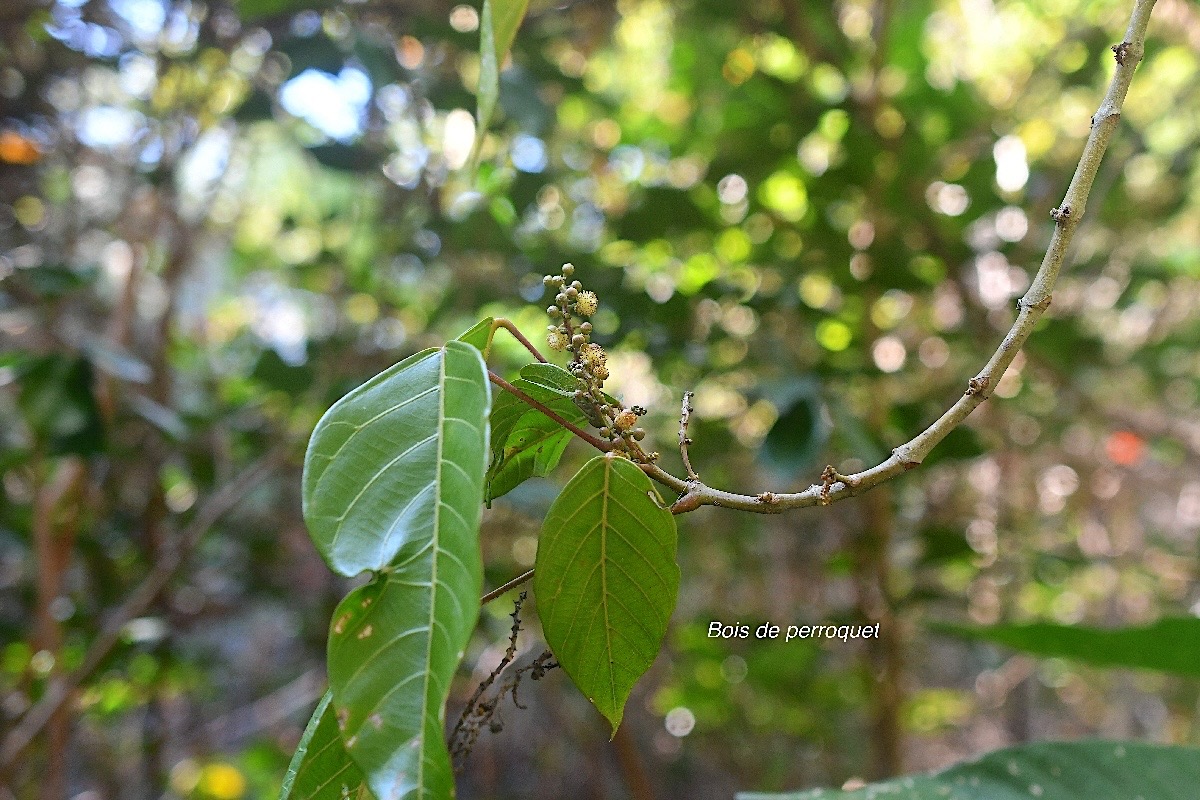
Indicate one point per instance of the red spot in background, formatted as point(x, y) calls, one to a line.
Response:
point(1125, 448)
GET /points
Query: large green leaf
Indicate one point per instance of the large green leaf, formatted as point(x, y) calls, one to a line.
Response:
point(1050, 770)
point(393, 648)
point(525, 442)
point(321, 769)
point(1169, 645)
point(394, 482)
point(606, 579)
point(388, 457)
point(497, 29)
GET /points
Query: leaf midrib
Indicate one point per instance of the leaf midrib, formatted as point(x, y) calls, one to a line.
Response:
point(608, 632)
point(433, 576)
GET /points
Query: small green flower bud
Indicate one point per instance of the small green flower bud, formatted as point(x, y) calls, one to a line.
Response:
point(571, 293)
point(585, 328)
point(554, 311)
point(639, 434)
point(568, 269)
point(576, 285)
point(560, 298)
point(578, 340)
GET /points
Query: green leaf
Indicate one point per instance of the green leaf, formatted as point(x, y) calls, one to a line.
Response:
point(1169, 645)
point(321, 769)
point(526, 442)
point(391, 455)
point(497, 29)
point(393, 649)
point(478, 335)
point(394, 478)
point(606, 579)
point(1052, 770)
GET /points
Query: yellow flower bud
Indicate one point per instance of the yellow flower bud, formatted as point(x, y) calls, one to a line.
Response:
point(626, 420)
point(586, 304)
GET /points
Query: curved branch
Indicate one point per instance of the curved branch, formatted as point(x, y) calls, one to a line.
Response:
point(694, 493)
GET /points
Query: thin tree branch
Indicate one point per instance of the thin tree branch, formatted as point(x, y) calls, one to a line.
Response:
point(1030, 309)
point(594, 441)
point(507, 324)
point(514, 583)
point(57, 694)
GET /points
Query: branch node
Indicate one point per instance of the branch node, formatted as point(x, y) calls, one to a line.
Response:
point(977, 385)
point(829, 477)
point(768, 498)
point(1121, 52)
point(905, 462)
point(1061, 215)
point(1041, 305)
point(688, 501)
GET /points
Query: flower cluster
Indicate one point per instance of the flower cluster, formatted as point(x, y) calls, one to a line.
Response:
point(572, 331)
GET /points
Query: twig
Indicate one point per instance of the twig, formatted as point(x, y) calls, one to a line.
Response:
point(514, 583)
point(685, 416)
point(481, 710)
point(507, 324)
point(537, 670)
point(462, 738)
point(909, 455)
point(217, 505)
point(599, 444)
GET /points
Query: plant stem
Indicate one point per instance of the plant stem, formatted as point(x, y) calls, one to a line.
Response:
point(507, 324)
point(497, 592)
point(594, 441)
point(685, 416)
